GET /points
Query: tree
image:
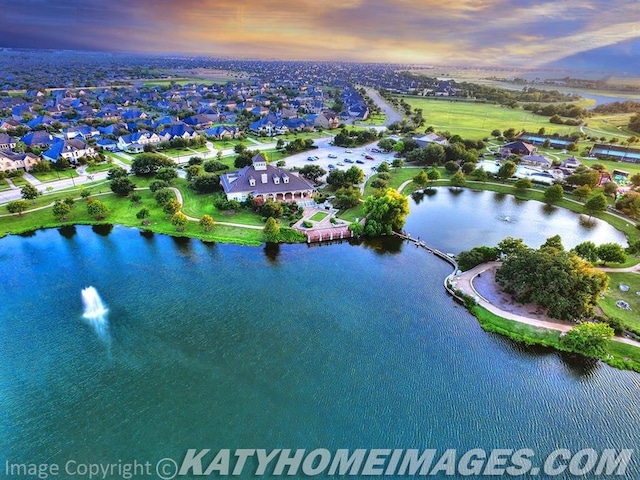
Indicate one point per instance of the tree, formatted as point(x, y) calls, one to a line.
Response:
point(97, 209)
point(149, 163)
point(582, 192)
point(480, 174)
point(156, 185)
point(61, 209)
point(397, 163)
point(206, 183)
point(553, 242)
point(85, 193)
point(347, 197)
point(635, 179)
point(386, 211)
point(611, 253)
point(629, 203)
point(271, 230)
point(167, 174)
point(29, 192)
point(587, 251)
point(163, 196)
point(434, 154)
point(421, 178)
point(383, 167)
point(433, 175)
point(399, 147)
point(179, 219)
point(511, 247)
point(312, 172)
point(589, 339)
point(611, 189)
point(451, 166)
point(171, 207)
point(553, 194)
point(213, 166)
point(597, 203)
point(143, 214)
point(271, 209)
point(507, 170)
point(458, 180)
point(207, 222)
point(496, 133)
point(477, 255)
point(558, 280)
point(354, 175)
point(17, 206)
point(522, 184)
point(122, 186)
point(116, 172)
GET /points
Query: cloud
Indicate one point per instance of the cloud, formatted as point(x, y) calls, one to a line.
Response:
point(483, 32)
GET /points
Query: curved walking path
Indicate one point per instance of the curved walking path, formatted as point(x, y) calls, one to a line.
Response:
point(464, 282)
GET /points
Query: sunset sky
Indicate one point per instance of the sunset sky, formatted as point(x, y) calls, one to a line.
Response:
point(479, 32)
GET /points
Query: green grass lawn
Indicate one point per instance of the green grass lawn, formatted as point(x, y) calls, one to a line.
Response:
point(19, 181)
point(319, 216)
point(4, 185)
point(374, 120)
point(613, 294)
point(122, 211)
point(118, 157)
point(53, 175)
point(101, 167)
point(198, 204)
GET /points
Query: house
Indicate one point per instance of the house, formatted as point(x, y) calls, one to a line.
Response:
point(135, 142)
point(39, 139)
point(266, 182)
point(570, 163)
point(179, 130)
point(425, 140)
point(269, 126)
point(71, 150)
point(11, 161)
point(7, 142)
point(82, 131)
point(517, 147)
point(223, 132)
point(328, 120)
point(107, 144)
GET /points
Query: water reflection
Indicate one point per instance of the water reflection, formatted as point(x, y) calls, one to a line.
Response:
point(588, 223)
point(499, 197)
point(68, 231)
point(103, 229)
point(548, 210)
point(183, 244)
point(579, 366)
point(271, 251)
point(430, 192)
point(384, 245)
point(148, 234)
point(27, 234)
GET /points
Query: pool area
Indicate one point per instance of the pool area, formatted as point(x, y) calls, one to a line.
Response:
point(535, 174)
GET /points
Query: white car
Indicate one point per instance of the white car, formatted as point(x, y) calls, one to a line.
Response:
point(348, 151)
point(332, 155)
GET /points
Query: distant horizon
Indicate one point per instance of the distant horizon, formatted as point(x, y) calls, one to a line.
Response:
point(582, 35)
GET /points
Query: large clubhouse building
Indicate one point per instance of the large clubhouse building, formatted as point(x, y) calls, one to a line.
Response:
point(263, 181)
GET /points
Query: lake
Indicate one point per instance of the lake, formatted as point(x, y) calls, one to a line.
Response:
point(351, 345)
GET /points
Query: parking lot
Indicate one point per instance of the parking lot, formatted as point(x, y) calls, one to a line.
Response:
point(355, 154)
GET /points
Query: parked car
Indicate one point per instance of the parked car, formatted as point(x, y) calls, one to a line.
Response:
point(348, 151)
point(331, 166)
point(359, 161)
point(340, 164)
point(311, 159)
point(332, 155)
point(348, 160)
point(375, 150)
point(368, 157)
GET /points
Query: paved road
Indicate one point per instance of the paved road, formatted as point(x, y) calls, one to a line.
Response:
point(392, 115)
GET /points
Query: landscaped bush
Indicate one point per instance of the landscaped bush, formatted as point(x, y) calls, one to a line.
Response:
point(307, 224)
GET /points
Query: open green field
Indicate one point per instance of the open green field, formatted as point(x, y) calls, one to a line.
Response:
point(101, 167)
point(476, 120)
point(373, 120)
point(117, 156)
point(608, 304)
point(123, 212)
point(53, 175)
point(4, 185)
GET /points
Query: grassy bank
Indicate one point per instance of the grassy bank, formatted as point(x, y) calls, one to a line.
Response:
point(622, 356)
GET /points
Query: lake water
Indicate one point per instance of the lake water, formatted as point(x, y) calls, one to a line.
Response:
point(340, 346)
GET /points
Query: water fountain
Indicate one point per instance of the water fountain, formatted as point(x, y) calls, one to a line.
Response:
point(95, 311)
